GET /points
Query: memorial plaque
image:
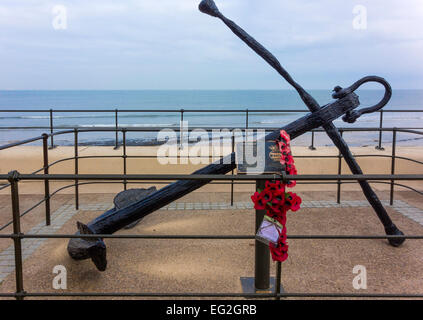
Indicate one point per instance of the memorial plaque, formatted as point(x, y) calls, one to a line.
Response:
point(267, 162)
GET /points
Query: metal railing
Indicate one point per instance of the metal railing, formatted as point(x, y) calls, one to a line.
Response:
point(17, 236)
point(247, 112)
point(76, 131)
point(43, 175)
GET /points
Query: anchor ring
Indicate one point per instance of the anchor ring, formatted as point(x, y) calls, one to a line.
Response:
point(352, 116)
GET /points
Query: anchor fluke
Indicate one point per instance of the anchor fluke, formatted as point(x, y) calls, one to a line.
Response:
point(84, 248)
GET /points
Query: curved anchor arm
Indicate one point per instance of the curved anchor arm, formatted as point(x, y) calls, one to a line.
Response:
point(352, 116)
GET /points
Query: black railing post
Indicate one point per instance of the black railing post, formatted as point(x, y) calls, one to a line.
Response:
point(182, 114)
point(379, 146)
point(393, 157)
point(312, 147)
point(124, 156)
point(116, 129)
point(51, 129)
point(278, 280)
point(246, 118)
point(232, 181)
point(181, 126)
point(338, 192)
point(262, 252)
point(76, 156)
point(17, 235)
point(46, 182)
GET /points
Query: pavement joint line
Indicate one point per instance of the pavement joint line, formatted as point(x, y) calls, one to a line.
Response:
point(66, 211)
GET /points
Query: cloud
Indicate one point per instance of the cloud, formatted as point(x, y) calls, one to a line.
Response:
point(168, 44)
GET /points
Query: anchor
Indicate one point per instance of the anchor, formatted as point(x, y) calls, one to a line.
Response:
point(144, 202)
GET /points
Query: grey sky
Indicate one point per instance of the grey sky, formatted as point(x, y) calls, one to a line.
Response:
point(169, 44)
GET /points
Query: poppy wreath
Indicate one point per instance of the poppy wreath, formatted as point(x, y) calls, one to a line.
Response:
point(276, 200)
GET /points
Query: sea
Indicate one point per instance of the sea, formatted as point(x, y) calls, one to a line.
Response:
point(157, 108)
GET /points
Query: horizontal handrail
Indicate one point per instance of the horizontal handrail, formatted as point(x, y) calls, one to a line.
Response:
point(199, 237)
point(182, 156)
point(283, 176)
point(21, 142)
point(177, 129)
point(213, 182)
point(182, 110)
point(70, 129)
point(135, 178)
point(211, 295)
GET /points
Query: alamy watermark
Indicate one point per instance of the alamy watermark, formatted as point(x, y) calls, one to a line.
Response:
point(60, 17)
point(360, 280)
point(200, 146)
point(360, 17)
point(60, 281)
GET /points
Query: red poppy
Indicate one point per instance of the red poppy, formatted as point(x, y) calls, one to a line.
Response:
point(267, 195)
point(291, 183)
point(283, 147)
point(296, 205)
point(285, 137)
point(273, 186)
point(279, 253)
point(282, 243)
point(286, 153)
point(293, 201)
point(276, 210)
point(281, 218)
point(288, 160)
point(292, 170)
point(278, 197)
point(259, 202)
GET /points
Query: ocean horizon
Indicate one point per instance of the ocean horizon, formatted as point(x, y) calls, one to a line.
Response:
point(164, 101)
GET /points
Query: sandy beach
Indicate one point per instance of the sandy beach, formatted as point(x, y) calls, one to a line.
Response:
point(28, 159)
